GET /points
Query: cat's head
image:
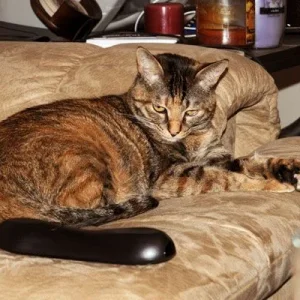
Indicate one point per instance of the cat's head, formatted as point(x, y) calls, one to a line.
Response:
point(173, 95)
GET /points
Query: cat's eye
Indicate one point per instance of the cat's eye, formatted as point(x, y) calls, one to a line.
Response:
point(159, 108)
point(191, 113)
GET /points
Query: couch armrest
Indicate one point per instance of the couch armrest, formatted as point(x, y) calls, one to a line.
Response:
point(38, 73)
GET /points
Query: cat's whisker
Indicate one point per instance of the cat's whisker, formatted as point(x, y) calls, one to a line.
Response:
point(139, 120)
point(146, 122)
point(130, 116)
point(200, 127)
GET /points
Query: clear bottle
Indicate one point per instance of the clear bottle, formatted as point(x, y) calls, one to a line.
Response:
point(269, 23)
point(225, 23)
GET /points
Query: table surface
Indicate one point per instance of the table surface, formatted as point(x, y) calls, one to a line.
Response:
point(283, 57)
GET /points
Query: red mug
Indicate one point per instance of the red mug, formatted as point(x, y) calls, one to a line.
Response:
point(164, 18)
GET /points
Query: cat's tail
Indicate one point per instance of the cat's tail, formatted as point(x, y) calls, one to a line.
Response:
point(80, 217)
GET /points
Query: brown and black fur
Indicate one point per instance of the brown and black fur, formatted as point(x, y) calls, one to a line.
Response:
point(91, 161)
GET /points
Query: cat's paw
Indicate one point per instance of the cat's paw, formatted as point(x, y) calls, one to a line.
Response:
point(297, 185)
point(287, 170)
point(277, 187)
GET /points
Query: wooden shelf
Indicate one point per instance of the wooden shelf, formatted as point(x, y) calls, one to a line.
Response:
point(275, 59)
point(283, 57)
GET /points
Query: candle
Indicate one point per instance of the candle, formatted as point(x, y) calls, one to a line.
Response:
point(164, 18)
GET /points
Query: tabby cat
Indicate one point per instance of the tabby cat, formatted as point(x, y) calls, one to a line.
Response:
point(91, 161)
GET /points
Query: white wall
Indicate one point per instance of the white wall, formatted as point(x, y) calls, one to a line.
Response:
point(20, 12)
point(288, 82)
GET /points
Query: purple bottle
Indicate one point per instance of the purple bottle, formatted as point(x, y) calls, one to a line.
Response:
point(270, 18)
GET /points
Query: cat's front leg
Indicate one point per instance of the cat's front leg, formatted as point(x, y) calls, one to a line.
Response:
point(283, 169)
point(198, 180)
point(206, 148)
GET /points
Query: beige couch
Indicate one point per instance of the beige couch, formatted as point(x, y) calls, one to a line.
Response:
point(229, 245)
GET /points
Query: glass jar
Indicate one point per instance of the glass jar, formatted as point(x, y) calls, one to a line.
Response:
point(225, 22)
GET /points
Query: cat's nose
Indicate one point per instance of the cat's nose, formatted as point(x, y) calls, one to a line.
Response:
point(174, 133)
point(174, 128)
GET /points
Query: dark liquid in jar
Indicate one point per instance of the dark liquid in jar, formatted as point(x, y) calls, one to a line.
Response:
point(231, 36)
point(228, 25)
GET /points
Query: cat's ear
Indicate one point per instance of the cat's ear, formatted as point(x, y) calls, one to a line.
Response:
point(209, 76)
point(148, 66)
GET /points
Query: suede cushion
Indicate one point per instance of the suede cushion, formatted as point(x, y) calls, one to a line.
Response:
point(229, 246)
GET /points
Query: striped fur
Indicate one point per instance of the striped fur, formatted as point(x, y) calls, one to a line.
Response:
point(92, 161)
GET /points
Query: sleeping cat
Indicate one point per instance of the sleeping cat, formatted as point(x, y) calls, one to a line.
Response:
point(92, 161)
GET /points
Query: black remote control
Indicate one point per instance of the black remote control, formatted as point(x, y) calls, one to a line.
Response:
point(128, 246)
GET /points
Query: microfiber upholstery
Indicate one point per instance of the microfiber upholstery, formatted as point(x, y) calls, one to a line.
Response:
point(229, 245)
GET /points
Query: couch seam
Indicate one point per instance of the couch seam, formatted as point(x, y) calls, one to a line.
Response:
point(75, 64)
point(271, 114)
point(256, 278)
